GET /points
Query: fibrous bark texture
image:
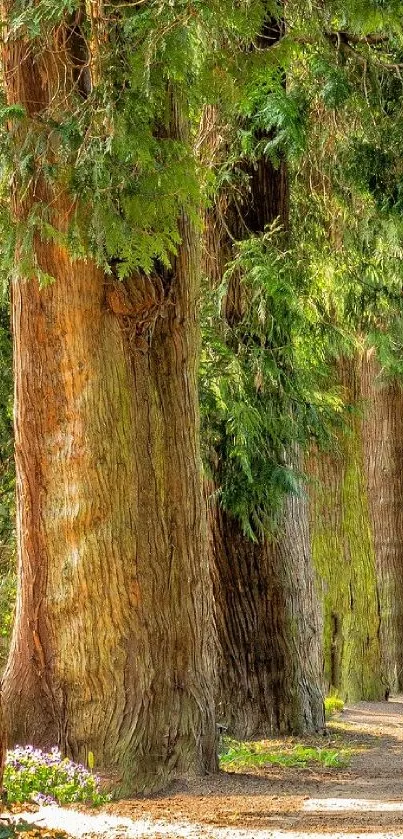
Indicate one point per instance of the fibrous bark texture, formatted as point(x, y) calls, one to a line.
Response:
point(344, 554)
point(3, 750)
point(268, 626)
point(112, 645)
point(382, 433)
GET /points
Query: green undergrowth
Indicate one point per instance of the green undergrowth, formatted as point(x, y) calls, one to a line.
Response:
point(333, 705)
point(31, 775)
point(237, 756)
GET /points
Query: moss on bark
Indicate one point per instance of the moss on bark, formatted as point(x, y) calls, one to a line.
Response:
point(344, 555)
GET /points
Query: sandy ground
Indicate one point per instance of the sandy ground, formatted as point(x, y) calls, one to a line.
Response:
point(271, 802)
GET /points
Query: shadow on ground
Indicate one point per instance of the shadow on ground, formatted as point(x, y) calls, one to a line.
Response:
point(273, 798)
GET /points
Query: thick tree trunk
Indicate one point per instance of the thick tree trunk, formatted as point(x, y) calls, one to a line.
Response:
point(344, 554)
point(112, 645)
point(269, 632)
point(267, 611)
point(382, 432)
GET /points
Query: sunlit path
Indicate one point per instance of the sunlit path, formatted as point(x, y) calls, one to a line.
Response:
point(80, 825)
point(332, 805)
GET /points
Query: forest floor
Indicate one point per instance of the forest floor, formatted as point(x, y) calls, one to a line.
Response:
point(364, 799)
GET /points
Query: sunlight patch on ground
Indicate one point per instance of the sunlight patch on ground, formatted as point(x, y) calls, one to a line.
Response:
point(343, 805)
point(80, 825)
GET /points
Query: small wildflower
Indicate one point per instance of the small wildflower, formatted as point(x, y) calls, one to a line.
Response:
point(46, 778)
point(40, 798)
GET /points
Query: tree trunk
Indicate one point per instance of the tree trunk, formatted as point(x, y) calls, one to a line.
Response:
point(344, 554)
point(3, 752)
point(112, 645)
point(269, 664)
point(383, 453)
point(267, 612)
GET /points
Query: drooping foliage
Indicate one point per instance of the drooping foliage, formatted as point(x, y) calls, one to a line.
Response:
point(312, 98)
point(265, 382)
point(108, 145)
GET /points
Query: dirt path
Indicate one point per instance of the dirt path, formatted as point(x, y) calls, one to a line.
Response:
point(270, 802)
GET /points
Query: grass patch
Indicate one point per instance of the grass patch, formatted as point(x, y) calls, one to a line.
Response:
point(333, 705)
point(237, 756)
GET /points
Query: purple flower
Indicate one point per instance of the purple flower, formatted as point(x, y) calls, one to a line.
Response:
point(31, 774)
point(40, 798)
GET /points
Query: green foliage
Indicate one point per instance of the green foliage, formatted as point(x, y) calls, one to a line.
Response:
point(275, 117)
point(364, 17)
point(335, 87)
point(333, 705)
point(265, 385)
point(128, 169)
point(243, 756)
point(320, 99)
point(129, 187)
point(34, 18)
point(373, 169)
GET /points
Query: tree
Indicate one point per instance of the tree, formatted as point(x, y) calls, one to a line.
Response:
point(349, 198)
point(7, 485)
point(266, 608)
point(344, 555)
point(112, 645)
point(382, 442)
point(3, 748)
point(326, 104)
point(266, 605)
point(355, 525)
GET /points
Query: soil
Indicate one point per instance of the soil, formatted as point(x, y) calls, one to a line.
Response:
point(271, 801)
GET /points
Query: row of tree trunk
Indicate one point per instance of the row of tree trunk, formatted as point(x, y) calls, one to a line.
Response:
point(335, 578)
point(115, 650)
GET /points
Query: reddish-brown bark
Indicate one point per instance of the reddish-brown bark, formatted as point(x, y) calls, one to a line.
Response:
point(112, 647)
